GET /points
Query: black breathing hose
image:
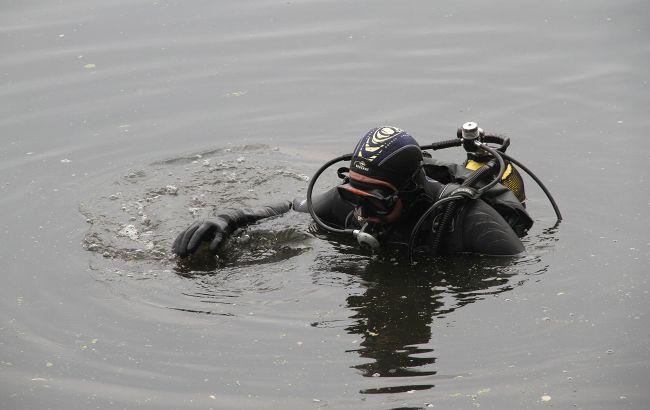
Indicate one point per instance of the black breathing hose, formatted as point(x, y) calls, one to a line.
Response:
point(541, 185)
point(310, 188)
point(453, 200)
point(442, 144)
point(478, 174)
point(424, 216)
point(449, 210)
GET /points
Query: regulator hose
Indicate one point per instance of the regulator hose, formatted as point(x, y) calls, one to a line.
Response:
point(478, 174)
point(424, 216)
point(450, 209)
point(310, 188)
point(453, 200)
point(541, 185)
point(442, 144)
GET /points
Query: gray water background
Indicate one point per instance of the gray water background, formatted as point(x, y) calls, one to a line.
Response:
point(151, 114)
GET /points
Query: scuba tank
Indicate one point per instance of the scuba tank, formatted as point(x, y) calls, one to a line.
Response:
point(476, 158)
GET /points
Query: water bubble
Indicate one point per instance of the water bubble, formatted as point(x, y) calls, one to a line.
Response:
point(129, 231)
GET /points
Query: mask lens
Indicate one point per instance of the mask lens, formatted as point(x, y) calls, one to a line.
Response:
point(380, 206)
point(373, 202)
point(349, 196)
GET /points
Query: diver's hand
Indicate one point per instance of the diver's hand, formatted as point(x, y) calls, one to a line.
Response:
point(189, 241)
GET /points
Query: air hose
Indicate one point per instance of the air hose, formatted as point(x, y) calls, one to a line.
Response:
point(442, 144)
point(451, 207)
point(541, 185)
point(452, 201)
point(310, 188)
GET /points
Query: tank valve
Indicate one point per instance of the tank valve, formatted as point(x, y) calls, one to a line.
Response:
point(470, 133)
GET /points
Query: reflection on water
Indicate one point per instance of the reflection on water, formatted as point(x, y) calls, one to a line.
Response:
point(395, 312)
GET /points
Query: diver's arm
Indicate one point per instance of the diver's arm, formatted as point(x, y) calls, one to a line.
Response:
point(216, 230)
point(479, 228)
point(328, 206)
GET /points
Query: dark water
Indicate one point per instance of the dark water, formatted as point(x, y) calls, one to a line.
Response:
point(121, 122)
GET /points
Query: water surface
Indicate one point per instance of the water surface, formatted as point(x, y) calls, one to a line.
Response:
point(122, 122)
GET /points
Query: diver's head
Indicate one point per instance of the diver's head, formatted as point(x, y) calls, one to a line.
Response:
point(384, 167)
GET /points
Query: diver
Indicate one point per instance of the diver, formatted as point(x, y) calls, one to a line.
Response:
point(395, 196)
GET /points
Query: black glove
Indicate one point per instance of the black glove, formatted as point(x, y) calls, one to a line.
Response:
point(189, 241)
point(216, 231)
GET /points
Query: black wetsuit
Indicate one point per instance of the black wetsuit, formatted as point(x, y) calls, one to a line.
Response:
point(490, 225)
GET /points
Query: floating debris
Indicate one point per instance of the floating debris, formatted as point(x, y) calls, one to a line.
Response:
point(546, 397)
point(89, 66)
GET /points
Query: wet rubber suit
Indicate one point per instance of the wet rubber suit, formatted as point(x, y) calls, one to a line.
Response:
point(386, 195)
point(490, 225)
